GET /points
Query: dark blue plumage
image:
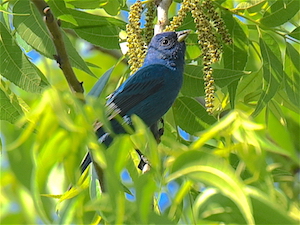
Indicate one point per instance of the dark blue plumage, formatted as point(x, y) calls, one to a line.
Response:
point(151, 91)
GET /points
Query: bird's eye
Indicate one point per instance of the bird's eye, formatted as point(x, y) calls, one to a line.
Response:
point(165, 41)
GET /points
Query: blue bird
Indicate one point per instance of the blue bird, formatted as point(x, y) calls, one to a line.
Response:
point(151, 90)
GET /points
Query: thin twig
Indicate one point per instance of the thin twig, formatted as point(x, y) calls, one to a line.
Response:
point(62, 56)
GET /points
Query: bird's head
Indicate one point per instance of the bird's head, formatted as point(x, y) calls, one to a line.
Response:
point(167, 48)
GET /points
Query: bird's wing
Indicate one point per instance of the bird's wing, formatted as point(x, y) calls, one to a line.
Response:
point(143, 83)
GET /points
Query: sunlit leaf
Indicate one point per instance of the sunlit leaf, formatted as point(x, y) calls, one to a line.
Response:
point(190, 115)
point(16, 67)
point(10, 109)
point(98, 30)
point(112, 7)
point(211, 170)
point(280, 12)
point(33, 30)
point(212, 205)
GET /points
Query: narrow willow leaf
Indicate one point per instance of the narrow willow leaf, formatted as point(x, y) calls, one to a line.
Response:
point(280, 13)
point(280, 135)
point(272, 70)
point(16, 67)
point(295, 33)
point(232, 88)
point(266, 210)
point(33, 30)
point(212, 205)
point(292, 76)
point(17, 156)
point(213, 171)
point(190, 115)
point(216, 129)
point(145, 188)
point(159, 219)
point(100, 84)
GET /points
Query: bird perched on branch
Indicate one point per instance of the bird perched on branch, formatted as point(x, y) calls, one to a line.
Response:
point(151, 90)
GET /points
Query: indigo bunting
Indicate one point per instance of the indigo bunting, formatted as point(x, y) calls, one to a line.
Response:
point(151, 90)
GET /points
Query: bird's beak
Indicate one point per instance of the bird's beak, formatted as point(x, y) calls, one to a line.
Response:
point(181, 35)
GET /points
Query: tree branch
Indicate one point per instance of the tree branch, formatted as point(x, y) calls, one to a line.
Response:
point(162, 15)
point(62, 56)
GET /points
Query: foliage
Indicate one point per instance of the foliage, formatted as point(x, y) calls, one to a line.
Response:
point(237, 166)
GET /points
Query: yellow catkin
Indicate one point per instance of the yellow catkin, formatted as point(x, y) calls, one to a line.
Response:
point(181, 14)
point(217, 21)
point(210, 50)
point(149, 26)
point(136, 44)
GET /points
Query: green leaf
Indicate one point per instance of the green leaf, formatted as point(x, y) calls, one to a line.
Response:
point(16, 67)
point(292, 74)
point(249, 84)
point(193, 83)
point(280, 12)
point(251, 6)
point(214, 171)
point(190, 115)
point(17, 157)
point(295, 33)
point(235, 56)
point(232, 88)
point(266, 211)
point(112, 7)
point(100, 84)
point(225, 77)
point(98, 30)
point(33, 30)
point(86, 4)
point(145, 187)
point(212, 205)
point(272, 70)
point(188, 23)
point(280, 135)
point(10, 109)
